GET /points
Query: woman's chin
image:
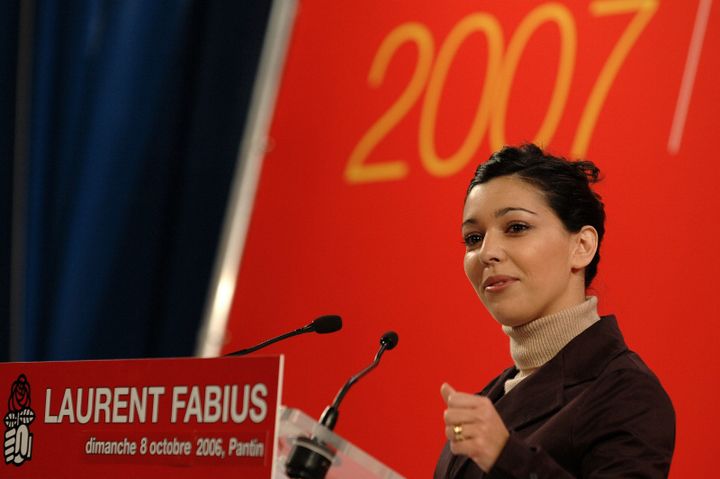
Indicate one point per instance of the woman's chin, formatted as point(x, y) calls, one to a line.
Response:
point(512, 319)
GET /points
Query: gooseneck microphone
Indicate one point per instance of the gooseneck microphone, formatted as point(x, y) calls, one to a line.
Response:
point(329, 417)
point(322, 325)
point(310, 458)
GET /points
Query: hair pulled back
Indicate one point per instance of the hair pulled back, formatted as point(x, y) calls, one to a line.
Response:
point(565, 185)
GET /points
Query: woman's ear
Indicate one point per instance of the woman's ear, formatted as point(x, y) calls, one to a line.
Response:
point(585, 246)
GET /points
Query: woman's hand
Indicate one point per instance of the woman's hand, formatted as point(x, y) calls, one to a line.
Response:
point(473, 427)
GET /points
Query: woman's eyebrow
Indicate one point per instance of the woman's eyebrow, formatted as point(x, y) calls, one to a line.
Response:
point(499, 213)
point(504, 211)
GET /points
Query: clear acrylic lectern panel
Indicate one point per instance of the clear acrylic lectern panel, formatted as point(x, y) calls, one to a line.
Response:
point(349, 462)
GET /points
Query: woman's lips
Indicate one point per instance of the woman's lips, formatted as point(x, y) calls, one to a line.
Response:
point(496, 284)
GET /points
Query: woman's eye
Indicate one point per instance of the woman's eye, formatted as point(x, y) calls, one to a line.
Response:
point(517, 228)
point(472, 239)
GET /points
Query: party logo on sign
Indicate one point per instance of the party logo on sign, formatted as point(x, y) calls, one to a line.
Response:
point(18, 438)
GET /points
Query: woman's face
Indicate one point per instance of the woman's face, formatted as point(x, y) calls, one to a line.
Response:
point(519, 257)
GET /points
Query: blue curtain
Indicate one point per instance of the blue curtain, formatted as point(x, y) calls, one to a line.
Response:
point(137, 112)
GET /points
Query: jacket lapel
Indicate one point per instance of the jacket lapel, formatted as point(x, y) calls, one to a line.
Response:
point(545, 387)
point(582, 359)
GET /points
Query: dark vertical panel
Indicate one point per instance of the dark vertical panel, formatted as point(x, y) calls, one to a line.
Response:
point(228, 55)
point(9, 20)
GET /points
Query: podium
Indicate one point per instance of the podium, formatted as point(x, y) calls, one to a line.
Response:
point(348, 461)
point(148, 418)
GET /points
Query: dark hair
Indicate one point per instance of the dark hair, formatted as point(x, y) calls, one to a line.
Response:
point(565, 184)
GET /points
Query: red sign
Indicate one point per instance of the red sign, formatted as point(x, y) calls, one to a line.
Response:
point(183, 418)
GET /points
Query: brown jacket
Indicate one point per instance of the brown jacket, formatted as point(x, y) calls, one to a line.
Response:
point(593, 411)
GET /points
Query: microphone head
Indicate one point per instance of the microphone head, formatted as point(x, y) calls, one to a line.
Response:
point(326, 324)
point(389, 339)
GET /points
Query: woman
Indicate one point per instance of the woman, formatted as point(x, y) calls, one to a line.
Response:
point(577, 403)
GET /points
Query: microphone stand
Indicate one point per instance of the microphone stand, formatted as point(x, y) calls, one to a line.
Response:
point(310, 458)
point(243, 352)
point(322, 325)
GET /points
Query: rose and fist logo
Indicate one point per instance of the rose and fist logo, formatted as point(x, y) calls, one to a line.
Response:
point(18, 438)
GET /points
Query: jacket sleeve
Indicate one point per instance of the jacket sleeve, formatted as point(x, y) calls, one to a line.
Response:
point(520, 460)
point(624, 427)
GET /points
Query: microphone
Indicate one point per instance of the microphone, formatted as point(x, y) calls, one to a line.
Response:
point(322, 325)
point(329, 417)
point(310, 458)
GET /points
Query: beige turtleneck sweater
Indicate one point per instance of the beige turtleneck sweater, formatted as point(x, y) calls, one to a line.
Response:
point(537, 342)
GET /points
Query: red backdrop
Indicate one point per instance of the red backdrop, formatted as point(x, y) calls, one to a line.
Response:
point(385, 109)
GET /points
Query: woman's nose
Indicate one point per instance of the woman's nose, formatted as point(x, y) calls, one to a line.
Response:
point(491, 250)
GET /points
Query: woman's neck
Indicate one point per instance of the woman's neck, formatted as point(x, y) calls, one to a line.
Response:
point(535, 343)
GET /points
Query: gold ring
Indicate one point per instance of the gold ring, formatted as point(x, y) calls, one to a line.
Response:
point(457, 431)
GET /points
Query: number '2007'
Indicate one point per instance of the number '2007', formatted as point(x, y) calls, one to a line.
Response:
point(501, 67)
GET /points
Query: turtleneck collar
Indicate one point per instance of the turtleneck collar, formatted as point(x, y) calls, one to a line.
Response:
point(535, 343)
